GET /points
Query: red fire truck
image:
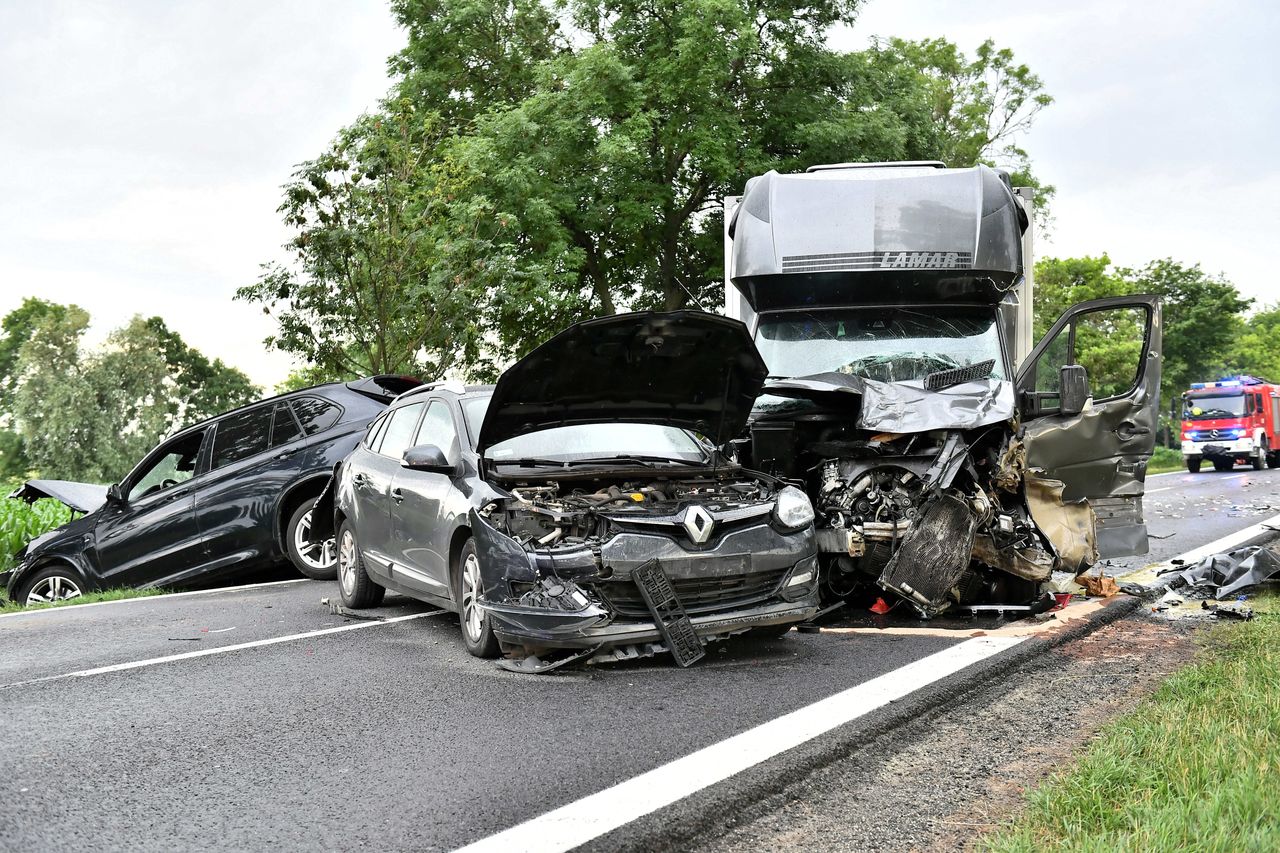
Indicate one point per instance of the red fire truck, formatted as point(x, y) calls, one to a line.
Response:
point(1236, 419)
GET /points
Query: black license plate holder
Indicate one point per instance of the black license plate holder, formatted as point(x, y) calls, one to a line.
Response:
point(668, 613)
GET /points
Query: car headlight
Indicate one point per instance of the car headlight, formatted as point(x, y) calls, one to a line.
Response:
point(792, 508)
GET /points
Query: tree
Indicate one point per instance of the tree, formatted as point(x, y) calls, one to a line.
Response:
point(568, 160)
point(387, 268)
point(18, 326)
point(1256, 350)
point(92, 414)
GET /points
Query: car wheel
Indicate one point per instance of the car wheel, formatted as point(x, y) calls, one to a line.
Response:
point(477, 631)
point(1193, 465)
point(1223, 464)
point(316, 560)
point(355, 587)
point(51, 584)
point(1259, 460)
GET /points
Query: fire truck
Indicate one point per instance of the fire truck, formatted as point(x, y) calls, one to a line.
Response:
point(1236, 419)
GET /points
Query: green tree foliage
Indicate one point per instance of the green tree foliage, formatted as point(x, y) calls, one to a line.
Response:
point(18, 326)
point(1256, 349)
point(538, 163)
point(90, 415)
point(387, 266)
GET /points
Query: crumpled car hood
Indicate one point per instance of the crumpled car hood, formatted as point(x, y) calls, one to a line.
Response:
point(81, 497)
point(905, 407)
point(686, 369)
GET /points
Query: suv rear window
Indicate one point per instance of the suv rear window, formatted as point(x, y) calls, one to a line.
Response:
point(315, 414)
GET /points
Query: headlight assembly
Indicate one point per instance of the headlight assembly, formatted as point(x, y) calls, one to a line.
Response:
point(792, 509)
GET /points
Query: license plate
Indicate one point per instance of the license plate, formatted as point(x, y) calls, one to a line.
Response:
point(668, 613)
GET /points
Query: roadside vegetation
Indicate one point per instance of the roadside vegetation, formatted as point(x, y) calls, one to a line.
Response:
point(7, 606)
point(1193, 768)
point(20, 522)
point(1163, 460)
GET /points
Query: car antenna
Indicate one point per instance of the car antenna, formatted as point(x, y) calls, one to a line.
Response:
point(689, 293)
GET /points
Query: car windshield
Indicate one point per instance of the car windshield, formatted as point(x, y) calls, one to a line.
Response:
point(885, 344)
point(605, 441)
point(1204, 408)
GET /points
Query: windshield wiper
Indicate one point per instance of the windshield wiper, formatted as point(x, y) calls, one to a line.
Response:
point(644, 460)
point(531, 462)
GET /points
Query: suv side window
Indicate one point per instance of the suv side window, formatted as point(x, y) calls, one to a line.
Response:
point(374, 433)
point(241, 436)
point(316, 414)
point(398, 436)
point(176, 464)
point(284, 428)
point(438, 429)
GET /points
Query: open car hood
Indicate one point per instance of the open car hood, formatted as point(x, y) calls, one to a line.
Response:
point(81, 497)
point(906, 407)
point(686, 369)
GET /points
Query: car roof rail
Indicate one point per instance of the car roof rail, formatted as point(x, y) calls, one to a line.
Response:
point(899, 164)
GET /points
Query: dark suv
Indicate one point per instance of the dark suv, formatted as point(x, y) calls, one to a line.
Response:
point(214, 500)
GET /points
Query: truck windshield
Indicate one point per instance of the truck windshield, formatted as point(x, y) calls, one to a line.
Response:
point(885, 344)
point(1204, 408)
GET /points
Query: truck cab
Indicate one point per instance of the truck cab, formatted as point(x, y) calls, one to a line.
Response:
point(1232, 420)
point(952, 463)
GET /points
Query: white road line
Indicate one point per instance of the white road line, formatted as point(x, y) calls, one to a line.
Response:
point(592, 816)
point(138, 664)
point(1165, 489)
point(65, 607)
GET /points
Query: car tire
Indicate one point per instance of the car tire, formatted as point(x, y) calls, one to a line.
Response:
point(1259, 459)
point(54, 582)
point(477, 630)
point(316, 561)
point(355, 587)
point(1193, 465)
point(1223, 464)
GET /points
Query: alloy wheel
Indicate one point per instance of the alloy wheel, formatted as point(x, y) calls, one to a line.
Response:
point(56, 588)
point(317, 555)
point(347, 563)
point(472, 613)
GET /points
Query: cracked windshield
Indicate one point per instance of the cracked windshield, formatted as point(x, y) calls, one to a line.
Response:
point(892, 345)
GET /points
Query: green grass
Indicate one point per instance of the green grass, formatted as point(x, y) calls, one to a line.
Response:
point(1195, 767)
point(7, 606)
point(1164, 459)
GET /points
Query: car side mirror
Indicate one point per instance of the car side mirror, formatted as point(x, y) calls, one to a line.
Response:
point(114, 495)
point(429, 458)
point(1073, 389)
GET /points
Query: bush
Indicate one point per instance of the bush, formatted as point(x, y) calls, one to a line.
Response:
point(20, 522)
point(1164, 459)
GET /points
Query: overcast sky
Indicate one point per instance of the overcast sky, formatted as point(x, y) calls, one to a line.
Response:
point(143, 143)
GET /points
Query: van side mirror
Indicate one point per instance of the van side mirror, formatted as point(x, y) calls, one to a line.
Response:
point(1073, 389)
point(429, 458)
point(114, 494)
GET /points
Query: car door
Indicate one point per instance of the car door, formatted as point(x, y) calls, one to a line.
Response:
point(1101, 453)
point(419, 528)
point(371, 480)
point(255, 454)
point(150, 535)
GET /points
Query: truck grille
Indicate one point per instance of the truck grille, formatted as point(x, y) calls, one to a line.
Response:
point(698, 595)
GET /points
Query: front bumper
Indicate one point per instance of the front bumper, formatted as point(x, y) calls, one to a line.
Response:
point(1220, 447)
point(532, 626)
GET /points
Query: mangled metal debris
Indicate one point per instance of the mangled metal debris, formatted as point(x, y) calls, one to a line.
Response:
point(1223, 576)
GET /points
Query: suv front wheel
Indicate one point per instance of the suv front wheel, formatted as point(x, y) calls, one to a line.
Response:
point(316, 560)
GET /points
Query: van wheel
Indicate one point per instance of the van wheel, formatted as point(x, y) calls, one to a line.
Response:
point(355, 586)
point(50, 585)
point(1223, 464)
point(316, 560)
point(477, 629)
point(1193, 465)
point(1259, 460)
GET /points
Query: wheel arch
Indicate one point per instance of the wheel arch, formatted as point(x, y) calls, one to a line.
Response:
point(305, 489)
point(461, 534)
point(18, 579)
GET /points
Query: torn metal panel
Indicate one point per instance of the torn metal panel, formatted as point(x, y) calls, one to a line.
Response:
point(1033, 564)
point(933, 555)
point(1226, 575)
point(906, 407)
point(1070, 526)
point(80, 497)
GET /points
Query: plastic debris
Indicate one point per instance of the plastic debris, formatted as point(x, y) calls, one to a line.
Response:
point(1228, 611)
point(1099, 586)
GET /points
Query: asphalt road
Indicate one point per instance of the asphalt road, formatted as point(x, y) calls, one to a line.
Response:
point(387, 735)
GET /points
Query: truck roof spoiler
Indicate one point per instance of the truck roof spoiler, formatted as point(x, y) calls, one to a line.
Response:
point(900, 164)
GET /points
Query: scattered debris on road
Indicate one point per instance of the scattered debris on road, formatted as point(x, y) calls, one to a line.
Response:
point(1223, 576)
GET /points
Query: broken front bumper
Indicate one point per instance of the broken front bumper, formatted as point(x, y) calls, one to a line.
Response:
point(754, 576)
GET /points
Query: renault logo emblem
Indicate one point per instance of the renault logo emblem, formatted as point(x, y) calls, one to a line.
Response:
point(698, 522)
